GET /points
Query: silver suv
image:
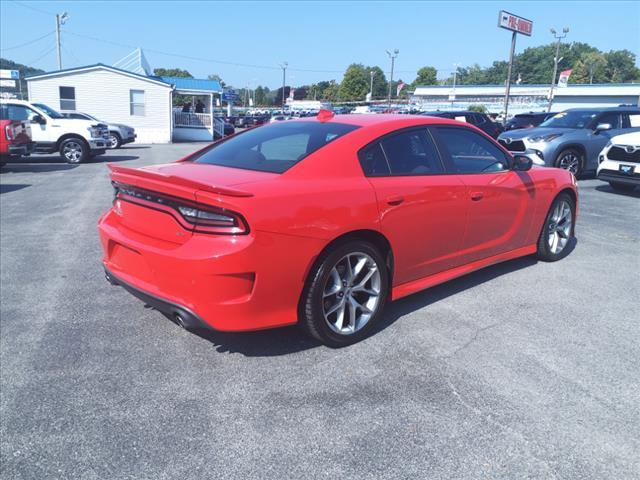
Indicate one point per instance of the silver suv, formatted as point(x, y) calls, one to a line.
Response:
point(572, 139)
point(119, 134)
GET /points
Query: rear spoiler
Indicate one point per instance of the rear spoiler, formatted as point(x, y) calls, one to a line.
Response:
point(172, 179)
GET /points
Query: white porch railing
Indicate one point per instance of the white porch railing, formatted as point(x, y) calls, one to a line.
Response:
point(182, 119)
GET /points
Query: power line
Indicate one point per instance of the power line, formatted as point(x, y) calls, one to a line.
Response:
point(27, 43)
point(30, 64)
point(35, 9)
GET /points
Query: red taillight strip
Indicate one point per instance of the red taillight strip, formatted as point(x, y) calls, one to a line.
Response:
point(170, 205)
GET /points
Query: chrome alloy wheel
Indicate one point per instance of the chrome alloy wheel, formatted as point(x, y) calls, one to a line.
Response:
point(113, 141)
point(72, 151)
point(351, 294)
point(570, 161)
point(559, 229)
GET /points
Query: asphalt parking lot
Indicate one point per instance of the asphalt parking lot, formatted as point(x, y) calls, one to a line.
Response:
point(521, 370)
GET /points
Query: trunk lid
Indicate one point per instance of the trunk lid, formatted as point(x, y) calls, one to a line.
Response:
point(149, 214)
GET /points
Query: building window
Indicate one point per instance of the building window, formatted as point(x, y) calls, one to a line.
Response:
point(136, 102)
point(67, 98)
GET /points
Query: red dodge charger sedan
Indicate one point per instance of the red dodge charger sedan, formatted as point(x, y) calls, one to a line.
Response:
point(320, 221)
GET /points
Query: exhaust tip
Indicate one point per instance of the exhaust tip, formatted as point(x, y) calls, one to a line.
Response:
point(179, 319)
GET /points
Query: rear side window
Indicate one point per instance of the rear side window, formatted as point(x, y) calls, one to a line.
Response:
point(411, 152)
point(470, 152)
point(274, 148)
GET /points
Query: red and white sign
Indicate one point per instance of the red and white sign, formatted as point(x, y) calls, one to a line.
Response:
point(399, 88)
point(563, 80)
point(514, 23)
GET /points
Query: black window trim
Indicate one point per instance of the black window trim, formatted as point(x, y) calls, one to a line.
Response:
point(425, 129)
point(448, 162)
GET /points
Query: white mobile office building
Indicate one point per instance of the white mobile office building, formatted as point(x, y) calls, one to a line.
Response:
point(133, 96)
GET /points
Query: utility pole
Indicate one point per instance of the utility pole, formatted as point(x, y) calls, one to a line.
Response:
point(556, 61)
point(372, 73)
point(455, 77)
point(506, 95)
point(60, 20)
point(392, 56)
point(284, 66)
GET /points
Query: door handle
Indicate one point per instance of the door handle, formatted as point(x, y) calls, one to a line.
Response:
point(395, 200)
point(476, 196)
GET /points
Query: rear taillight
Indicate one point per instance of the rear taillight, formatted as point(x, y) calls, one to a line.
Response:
point(10, 132)
point(191, 215)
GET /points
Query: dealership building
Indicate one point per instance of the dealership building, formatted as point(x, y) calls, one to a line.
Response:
point(525, 98)
point(129, 93)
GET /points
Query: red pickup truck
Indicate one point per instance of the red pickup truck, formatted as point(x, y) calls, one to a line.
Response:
point(15, 137)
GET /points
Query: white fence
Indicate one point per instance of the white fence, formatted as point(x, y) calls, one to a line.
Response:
point(182, 119)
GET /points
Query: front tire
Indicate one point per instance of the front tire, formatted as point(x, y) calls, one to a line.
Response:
point(345, 294)
point(558, 229)
point(114, 140)
point(572, 160)
point(622, 187)
point(74, 150)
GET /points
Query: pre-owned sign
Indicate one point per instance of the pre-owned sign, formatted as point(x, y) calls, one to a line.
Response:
point(514, 23)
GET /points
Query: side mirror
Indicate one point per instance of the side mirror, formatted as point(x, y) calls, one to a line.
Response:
point(39, 119)
point(521, 163)
point(601, 127)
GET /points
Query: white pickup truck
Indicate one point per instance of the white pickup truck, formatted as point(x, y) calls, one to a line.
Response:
point(75, 140)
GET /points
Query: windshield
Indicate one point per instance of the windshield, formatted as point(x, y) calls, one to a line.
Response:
point(575, 119)
point(48, 110)
point(273, 148)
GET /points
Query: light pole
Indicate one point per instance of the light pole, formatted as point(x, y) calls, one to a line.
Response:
point(372, 73)
point(284, 66)
point(556, 61)
point(61, 19)
point(455, 77)
point(392, 56)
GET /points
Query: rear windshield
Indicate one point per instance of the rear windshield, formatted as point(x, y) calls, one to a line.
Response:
point(273, 148)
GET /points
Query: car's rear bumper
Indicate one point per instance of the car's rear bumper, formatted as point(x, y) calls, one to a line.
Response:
point(20, 149)
point(230, 283)
point(179, 313)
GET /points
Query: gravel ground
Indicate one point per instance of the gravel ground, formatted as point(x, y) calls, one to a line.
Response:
point(521, 370)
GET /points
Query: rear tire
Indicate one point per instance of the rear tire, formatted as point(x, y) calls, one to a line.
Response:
point(622, 187)
point(345, 294)
point(572, 160)
point(558, 229)
point(74, 150)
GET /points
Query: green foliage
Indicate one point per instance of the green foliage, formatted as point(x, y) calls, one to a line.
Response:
point(171, 72)
point(214, 76)
point(426, 76)
point(380, 84)
point(478, 108)
point(24, 70)
point(355, 83)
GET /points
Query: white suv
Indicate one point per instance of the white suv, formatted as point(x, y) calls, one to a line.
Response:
point(620, 162)
point(75, 140)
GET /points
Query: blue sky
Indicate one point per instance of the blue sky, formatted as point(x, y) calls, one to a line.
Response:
point(318, 39)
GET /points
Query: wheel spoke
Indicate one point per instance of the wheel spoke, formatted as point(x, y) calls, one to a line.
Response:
point(340, 317)
point(335, 307)
point(337, 283)
point(353, 314)
point(358, 267)
point(361, 285)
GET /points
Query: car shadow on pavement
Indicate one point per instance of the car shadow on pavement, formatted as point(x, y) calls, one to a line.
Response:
point(283, 341)
point(112, 158)
point(36, 167)
point(608, 189)
point(6, 188)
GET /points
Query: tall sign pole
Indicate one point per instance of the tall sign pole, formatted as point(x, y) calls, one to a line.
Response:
point(517, 25)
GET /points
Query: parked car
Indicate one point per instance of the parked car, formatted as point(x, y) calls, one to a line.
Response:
point(15, 137)
point(243, 235)
point(480, 120)
point(527, 120)
point(572, 139)
point(279, 118)
point(619, 162)
point(119, 134)
point(76, 140)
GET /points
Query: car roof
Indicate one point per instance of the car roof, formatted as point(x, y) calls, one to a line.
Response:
point(604, 109)
point(392, 120)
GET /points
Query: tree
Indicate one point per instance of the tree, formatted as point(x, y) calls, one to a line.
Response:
point(590, 68)
point(260, 96)
point(380, 84)
point(355, 83)
point(214, 76)
point(425, 76)
point(621, 67)
point(171, 72)
point(331, 92)
point(478, 108)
